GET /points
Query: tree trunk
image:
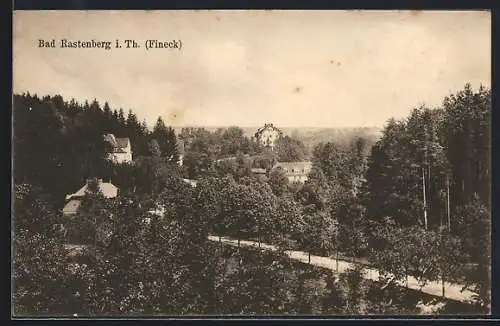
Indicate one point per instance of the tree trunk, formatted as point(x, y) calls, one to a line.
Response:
point(309, 257)
point(239, 265)
point(425, 199)
point(429, 185)
point(95, 234)
point(337, 261)
point(442, 285)
point(441, 247)
point(283, 240)
point(448, 202)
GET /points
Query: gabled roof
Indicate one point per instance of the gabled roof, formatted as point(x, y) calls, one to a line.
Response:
point(123, 142)
point(119, 144)
point(293, 165)
point(108, 189)
point(72, 206)
point(74, 249)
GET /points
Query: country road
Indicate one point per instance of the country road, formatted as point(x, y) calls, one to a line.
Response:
point(451, 291)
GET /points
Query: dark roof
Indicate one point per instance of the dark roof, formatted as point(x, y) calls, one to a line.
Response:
point(122, 142)
point(268, 126)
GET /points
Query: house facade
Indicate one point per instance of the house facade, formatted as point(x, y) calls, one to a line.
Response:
point(295, 171)
point(268, 135)
point(121, 149)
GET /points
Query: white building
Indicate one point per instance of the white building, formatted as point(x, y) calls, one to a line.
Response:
point(121, 151)
point(295, 171)
point(268, 135)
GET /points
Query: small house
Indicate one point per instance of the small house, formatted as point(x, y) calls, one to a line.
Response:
point(74, 200)
point(121, 149)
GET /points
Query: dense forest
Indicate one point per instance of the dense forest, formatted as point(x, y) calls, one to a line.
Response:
point(416, 202)
point(59, 144)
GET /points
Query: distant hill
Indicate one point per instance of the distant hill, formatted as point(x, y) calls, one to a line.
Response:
point(311, 136)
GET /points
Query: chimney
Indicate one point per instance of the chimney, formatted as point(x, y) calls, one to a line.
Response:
point(94, 181)
point(90, 180)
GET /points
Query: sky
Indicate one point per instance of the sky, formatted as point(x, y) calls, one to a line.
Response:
point(247, 68)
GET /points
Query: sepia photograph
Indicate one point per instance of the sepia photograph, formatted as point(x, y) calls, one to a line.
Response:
point(229, 163)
